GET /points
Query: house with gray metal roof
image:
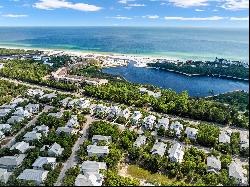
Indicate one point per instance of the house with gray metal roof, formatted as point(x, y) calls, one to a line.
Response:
point(236, 171)
point(5, 128)
point(177, 127)
point(18, 100)
point(66, 130)
point(159, 148)
point(244, 139)
point(55, 150)
point(49, 96)
point(89, 179)
point(21, 112)
point(84, 103)
point(57, 115)
point(124, 113)
point(191, 133)
point(4, 175)
point(32, 136)
point(11, 162)
point(4, 112)
point(176, 153)
point(65, 101)
point(224, 137)
point(2, 136)
point(99, 151)
point(93, 166)
point(73, 122)
point(41, 129)
point(213, 164)
point(32, 108)
point(15, 119)
point(136, 116)
point(141, 140)
point(37, 176)
point(10, 106)
point(148, 122)
point(41, 161)
point(21, 146)
point(99, 138)
point(163, 122)
point(35, 92)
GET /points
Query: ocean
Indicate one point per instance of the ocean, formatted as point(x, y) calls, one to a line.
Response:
point(176, 43)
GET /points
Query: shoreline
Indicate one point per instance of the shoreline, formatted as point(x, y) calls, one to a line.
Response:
point(199, 75)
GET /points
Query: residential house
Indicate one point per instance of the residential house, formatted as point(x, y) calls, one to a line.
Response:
point(137, 115)
point(10, 106)
point(55, 150)
point(5, 128)
point(84, 104)
point(191, 133)
point(32, 108)
point(4, 175)
point(37, 176)
point(41, 129)
point(162, 123)
point(21, 112)
point(176, 153)
point(213, 164)
point(177, 127)
point(141, 140)
point(36, 92)
point(99, 138)
point(65, 101)
point(56, 115)
point(17, 100)
point(113, 111)
point(73, 122)
point(99, 151)
point(224, 137)
point(100, 109)
point(41, 161)
point(159, 148)
point(124, 113)
point(244, 139)
point(49, 96)
point(89, 179)
point(11, 162)
point(236, 171)
point(149, 122)
point(66, 130)
point(4, 112)
point(2, 136)
point(73, 103)
point(32, 136)
point(15, 119)
point(93, 166)
point(21, 146)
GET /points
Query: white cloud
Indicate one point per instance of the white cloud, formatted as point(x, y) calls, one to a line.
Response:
point(239, 18)
point(120, 17)
point(189, 3)
point(55, 4)
point(199, 10)
point(236, 4)
point(136, 5)
point(15, 15)
point(151, 16)
point(213, 18)
point(125, 1)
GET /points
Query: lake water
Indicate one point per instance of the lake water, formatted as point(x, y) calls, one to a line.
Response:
point(196, 86)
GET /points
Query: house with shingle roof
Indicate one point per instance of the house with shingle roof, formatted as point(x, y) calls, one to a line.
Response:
point(11, 162)
point(37, 176)
point(213, 164)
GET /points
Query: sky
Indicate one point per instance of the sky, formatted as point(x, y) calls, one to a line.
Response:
point(164, 13)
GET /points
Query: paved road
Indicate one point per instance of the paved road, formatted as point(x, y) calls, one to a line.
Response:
point(72, 160)
point(32, 122)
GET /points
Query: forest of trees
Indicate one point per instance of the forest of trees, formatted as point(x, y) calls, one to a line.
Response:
point(205, 69)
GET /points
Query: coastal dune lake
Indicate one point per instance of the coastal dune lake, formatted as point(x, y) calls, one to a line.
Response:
point(175, 43)
point(196, 86)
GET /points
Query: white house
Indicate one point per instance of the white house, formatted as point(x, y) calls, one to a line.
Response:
point(5, 128)
point(57, 115)
point(32, 136)
point(55, 150)
point(73, 103)
point(4, 112)
point(84, 104)
point(21, 112)
point(224, 137)
point(11, 162)
point(177, 127)
point(191, 133)
point(176, 153)
point(17, 100)
point(89, 179)
point(21, 146)
point(124, 113)
point(41, 161)
point(113, 111)
point(73, 122)
point(100, 109)
point(98, 138)
point(141, 140)
point(65, 101)
point(236, 171)
point(137, 115)
point(35, 92)
point(149, 122)
point(159, 148)
point(4, 175)
point(41, 129)
point(2, 136)
point(163, 122)
point(37, 176)
point(49, 96)
point(66, 130)
point(32, 108)
point(244, 139)
point(99, 151)
point(213, 164)
point(15, 119)
point(92, 166)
